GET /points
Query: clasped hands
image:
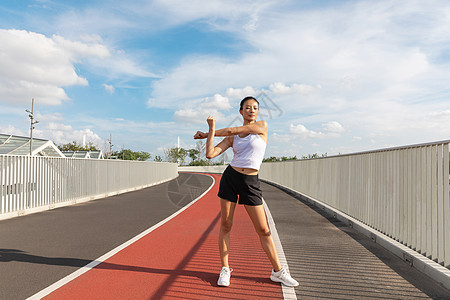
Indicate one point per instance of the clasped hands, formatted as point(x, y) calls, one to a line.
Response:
point(203, 135)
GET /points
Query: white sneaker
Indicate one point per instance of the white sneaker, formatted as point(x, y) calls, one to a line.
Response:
point(224, 277)
point(284, 277)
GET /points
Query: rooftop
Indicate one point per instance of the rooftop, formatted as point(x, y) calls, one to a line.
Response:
point(20, 145)
point(98, 154)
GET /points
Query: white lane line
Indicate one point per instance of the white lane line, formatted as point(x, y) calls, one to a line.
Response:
point(288, 292)
point(104, 257)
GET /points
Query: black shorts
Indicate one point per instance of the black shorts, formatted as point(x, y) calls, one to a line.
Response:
point(234, 184)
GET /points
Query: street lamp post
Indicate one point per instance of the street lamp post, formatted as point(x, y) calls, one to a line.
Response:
point(110, 145)
point(32, 122)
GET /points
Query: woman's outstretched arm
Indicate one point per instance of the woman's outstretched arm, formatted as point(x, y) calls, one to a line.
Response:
point(212, 151)
point(259, 127)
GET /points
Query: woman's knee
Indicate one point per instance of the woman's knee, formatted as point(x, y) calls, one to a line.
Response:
point(263, 232)
point(225, 226)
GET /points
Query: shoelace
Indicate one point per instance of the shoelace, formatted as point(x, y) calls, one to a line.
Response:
point(283, 274)
point(226, 271)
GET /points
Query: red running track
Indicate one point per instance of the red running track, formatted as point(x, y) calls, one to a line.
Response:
point(180, 260)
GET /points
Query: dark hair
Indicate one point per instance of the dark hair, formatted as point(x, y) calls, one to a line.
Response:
point(241, 106)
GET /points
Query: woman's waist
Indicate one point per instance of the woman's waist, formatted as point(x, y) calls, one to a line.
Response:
point(246, 165)
point(245, 171)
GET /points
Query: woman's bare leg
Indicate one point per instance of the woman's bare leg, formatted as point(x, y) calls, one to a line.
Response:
point(259, 220)
point(226, 221)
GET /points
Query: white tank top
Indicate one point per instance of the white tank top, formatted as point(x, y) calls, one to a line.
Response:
point(248, 151)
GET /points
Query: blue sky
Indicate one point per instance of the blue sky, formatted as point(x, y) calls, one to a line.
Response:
point(335, 76)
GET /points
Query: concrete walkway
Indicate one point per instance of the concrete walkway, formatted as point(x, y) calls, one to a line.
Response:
point(333, 261)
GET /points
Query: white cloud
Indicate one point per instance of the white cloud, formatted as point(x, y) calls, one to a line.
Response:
point(33, 65)
point(61, 133)
point(302, 132)
point(281, 138)
point(240, 93)
point(333, 127)
point(119, 65)
point(295, 88)
point(109, 88)
point(7, 110)
point(98, 57)
point(439, 114)
point(81, 49)
point(191, 115)
point(330, 129)
point(49, 117)
point(220, 15)
point(9, 129)
point(196, 112)
point(218, 102)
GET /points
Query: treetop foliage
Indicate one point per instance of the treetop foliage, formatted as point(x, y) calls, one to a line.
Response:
point(74, 146)
point(127, 154)
point(284, 158)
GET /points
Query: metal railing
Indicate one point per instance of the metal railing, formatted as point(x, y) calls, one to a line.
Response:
point(32, 182)
point(402, 192)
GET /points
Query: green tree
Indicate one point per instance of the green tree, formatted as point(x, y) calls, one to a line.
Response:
point(200, 147)
point(158, 158)
point(200, 162)
point(193, 154)
point(127, 154)
point(271, 159)
point(176, 155)
point(283, 158)
point(74, 146)
point(315, 155)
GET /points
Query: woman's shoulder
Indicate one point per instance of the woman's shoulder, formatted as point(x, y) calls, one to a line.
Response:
point(263, 124)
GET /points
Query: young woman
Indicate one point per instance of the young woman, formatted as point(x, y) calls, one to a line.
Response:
point(240, 180)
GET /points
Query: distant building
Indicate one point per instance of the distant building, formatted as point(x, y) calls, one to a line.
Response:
point(89, 154)
point(20, 145)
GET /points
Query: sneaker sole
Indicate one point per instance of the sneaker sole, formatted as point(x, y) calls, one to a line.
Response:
point(223, 284)
point(274, 279)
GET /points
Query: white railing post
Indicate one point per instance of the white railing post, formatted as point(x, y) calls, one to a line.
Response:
point(446, 208)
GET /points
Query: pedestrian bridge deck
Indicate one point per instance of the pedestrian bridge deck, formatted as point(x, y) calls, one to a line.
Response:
point(179, 259)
